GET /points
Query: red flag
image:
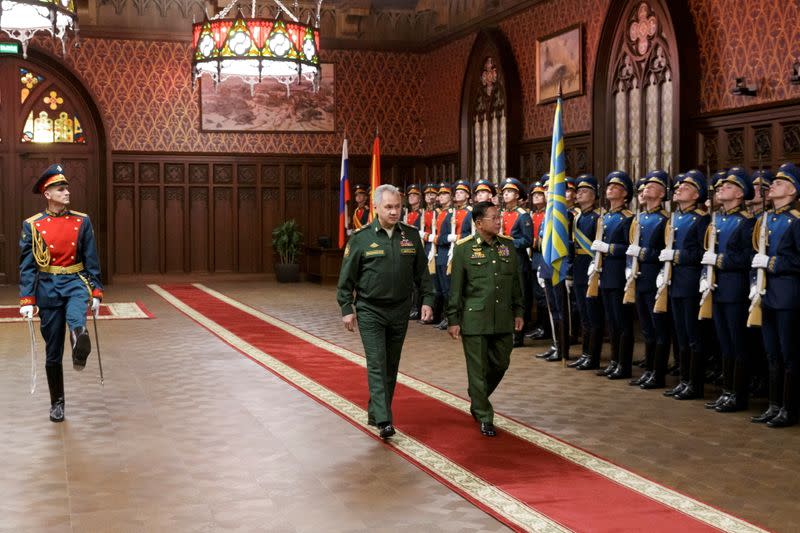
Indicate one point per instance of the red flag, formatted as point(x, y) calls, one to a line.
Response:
point(374, 173)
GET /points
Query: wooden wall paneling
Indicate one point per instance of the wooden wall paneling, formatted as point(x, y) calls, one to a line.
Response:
point(293, 197)
point(224, 230)
point(248, 230)
point(317, 209)
point(535, 157)
point(149, 230)
point(124, 216)
point(270, 211)
point(175, 236)
point(199, 229)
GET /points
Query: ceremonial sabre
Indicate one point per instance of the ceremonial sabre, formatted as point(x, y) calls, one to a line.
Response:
point(97, 343)
point(32, 334)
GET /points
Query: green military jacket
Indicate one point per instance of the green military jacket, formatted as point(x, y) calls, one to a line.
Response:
point(485, 290)
point(382, 271)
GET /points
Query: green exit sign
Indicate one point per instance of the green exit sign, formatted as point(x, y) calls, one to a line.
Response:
point(10, 49)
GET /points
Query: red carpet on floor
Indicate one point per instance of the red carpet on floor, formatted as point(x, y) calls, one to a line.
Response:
point(110, 311)
point(568, 493)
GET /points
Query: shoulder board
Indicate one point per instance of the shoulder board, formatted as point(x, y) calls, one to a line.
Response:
point(465, 239)
point(505, 237)
point(362, 228)
point(469, 208)
point(521, 210)
point(700, 212)
point(34, 218)
point(84, 215)
point(664, 213)
point(407, 225)
point(746, 214)
point(627, 212)
point(795, 213)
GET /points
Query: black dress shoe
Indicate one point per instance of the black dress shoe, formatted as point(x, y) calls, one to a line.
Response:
point(487, 429)
point(620, 373)
point(734, 402)
point(537, 334)
point(641, 379)
point(783, 419)
point(387, 430)
point(689, 392)
point(588, 365)
point(612, 366)
point(653, 382)
point(555, 356)
point(81, 347)
point(676, 389)
point(544, 355)
point(579, 361)
point(771, 412)
point(719, 401)
point(57, 411)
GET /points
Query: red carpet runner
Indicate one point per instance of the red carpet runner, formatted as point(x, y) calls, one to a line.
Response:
point(525, 478)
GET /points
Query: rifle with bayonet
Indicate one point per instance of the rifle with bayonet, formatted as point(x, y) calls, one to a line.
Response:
point(629, 296)
point(754, 318)
point(706, 300)
point(597, 262)
point(662, 291)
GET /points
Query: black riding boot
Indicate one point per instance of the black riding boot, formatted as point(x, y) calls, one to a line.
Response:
point(694, 389)
point(727, 384)
point(788, 413)
point(775, 394)
point(55, 382)
point(625, 358)
point(740, 394)
point(81, 347)
point(649, 361)
point(657, 378)
point(592, 362)
point(612, 365)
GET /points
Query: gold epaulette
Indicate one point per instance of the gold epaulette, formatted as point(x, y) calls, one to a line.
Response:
point(699, 211)
point(34, 218)
point(795, 213)
point(664, 212)
point(746, 214)
point(359, 229)
point(627, 212)
point(464, 239)
point(521, 210)
point(84, 215)
point(506, 237)
point(469, 208)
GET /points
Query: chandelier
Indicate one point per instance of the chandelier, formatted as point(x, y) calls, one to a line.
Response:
point(252, 48)
point(21, 19)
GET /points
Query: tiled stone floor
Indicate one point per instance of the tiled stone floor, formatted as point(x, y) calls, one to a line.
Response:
point(188, 435)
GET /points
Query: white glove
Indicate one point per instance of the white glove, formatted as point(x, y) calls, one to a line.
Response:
point(591, 270)
point(667, 254)
point(349, 232)
point(600, 246)
point(753, 292)
point(26, 311)
point(709, 258)
point(568, 284)
point(430, 238)
point(660, 280)
point(451, 237)
point(760, 261)
point(540, 280)
point(95, 305)
point(703, 285)
point(633, 250)
point(628, 272)
point(424, 235)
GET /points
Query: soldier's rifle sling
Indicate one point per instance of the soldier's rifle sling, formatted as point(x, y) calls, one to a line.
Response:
point(594, 280)
point(662, 292)
point(706, 301)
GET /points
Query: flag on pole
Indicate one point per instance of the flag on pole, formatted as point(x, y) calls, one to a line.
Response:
point(555, 245)
point(374, 173)
point(344, 197)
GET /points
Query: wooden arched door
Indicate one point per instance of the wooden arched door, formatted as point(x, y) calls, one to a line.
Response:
point(45, 118)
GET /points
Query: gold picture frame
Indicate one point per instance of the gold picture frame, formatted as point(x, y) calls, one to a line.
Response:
point(559, 59)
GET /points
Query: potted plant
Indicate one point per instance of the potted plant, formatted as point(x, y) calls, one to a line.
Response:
point(286, 240)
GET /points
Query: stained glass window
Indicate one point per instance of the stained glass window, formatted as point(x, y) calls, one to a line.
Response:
point(28, 80)
point(49, 122)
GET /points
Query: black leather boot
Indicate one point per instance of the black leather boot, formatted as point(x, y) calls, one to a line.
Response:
point(656, 379)
point(612, 365)
point(738, 400)
point(547, 353)
point(55, 382)
point(595, 349)
point(649, 358)
point(81, 347)
point(623, 370)
point(775, 374)
point(788, 413)
point(585, 347)
point(579, 361)
point(694, 390)
point(562, 340)
point(727, 384)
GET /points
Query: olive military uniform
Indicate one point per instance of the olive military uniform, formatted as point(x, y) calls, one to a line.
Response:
point(485, 298)
point(378, 274)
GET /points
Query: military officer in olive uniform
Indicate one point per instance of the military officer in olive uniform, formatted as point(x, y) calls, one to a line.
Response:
point(382, 263)
point(485, 308)
point(59, 272)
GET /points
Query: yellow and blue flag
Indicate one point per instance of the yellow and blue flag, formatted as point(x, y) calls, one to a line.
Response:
point(555, 244)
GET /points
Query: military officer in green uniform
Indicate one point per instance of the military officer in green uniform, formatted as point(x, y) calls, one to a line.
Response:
point(383, 262)
point(485, 308)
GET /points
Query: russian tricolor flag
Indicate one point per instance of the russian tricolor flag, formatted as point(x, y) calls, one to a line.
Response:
point(344, 197)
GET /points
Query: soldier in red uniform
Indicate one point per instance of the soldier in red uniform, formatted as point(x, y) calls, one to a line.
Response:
point(516, 223)
point(430, 224)
point(59, 272)
point(361, 212)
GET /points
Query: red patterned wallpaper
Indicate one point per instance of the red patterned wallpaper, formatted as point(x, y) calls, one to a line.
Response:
point(144, 91)
point(757, 39)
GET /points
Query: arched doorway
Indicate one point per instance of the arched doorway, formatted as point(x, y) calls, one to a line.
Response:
point(46, 116)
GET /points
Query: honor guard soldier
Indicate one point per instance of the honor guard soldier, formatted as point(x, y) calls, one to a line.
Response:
point(382, 264)
point(413, 217)
point(689, 228)
point(613, 245)
point(485, 308)
point(515, 222)
point(361, 212)
point(462, 209)
point(541, 328)
point(442, 238)
point(649, 225)
point(430, 220)
point(590, 310)
point(781, 301)
point(60, 273)
point(731, 267)
point(482, 191)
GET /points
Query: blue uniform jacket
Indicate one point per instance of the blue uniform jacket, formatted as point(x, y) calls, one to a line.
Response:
point(651, 241)
point(48, 290)
point(783, 249)
point(586, 224)
point(734, 255)
point(616, 233)
point(690, 231)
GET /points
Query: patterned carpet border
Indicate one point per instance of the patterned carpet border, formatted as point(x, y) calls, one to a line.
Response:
point(109, 311)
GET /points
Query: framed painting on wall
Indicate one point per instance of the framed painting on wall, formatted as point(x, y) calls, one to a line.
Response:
point(559, 59)
point(231, 107)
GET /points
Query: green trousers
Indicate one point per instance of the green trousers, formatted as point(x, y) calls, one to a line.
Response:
point(487, 357)
point(382, 333)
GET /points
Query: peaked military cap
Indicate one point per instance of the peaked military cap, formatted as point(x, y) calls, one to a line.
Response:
point(413, 189)
point(587, 181)
point(485, 185)
point(699, 181)
point(445, 187)
point(361, 188)
point(571, 184)
point(620, 177)
point(739, 177)
point(54, 175)
point(720, 175)
point(463, 185)
point(656, 176)
point(516, 185)
point(790, 173)
point(762, 178)
point(536, 187)
point(431, 187)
